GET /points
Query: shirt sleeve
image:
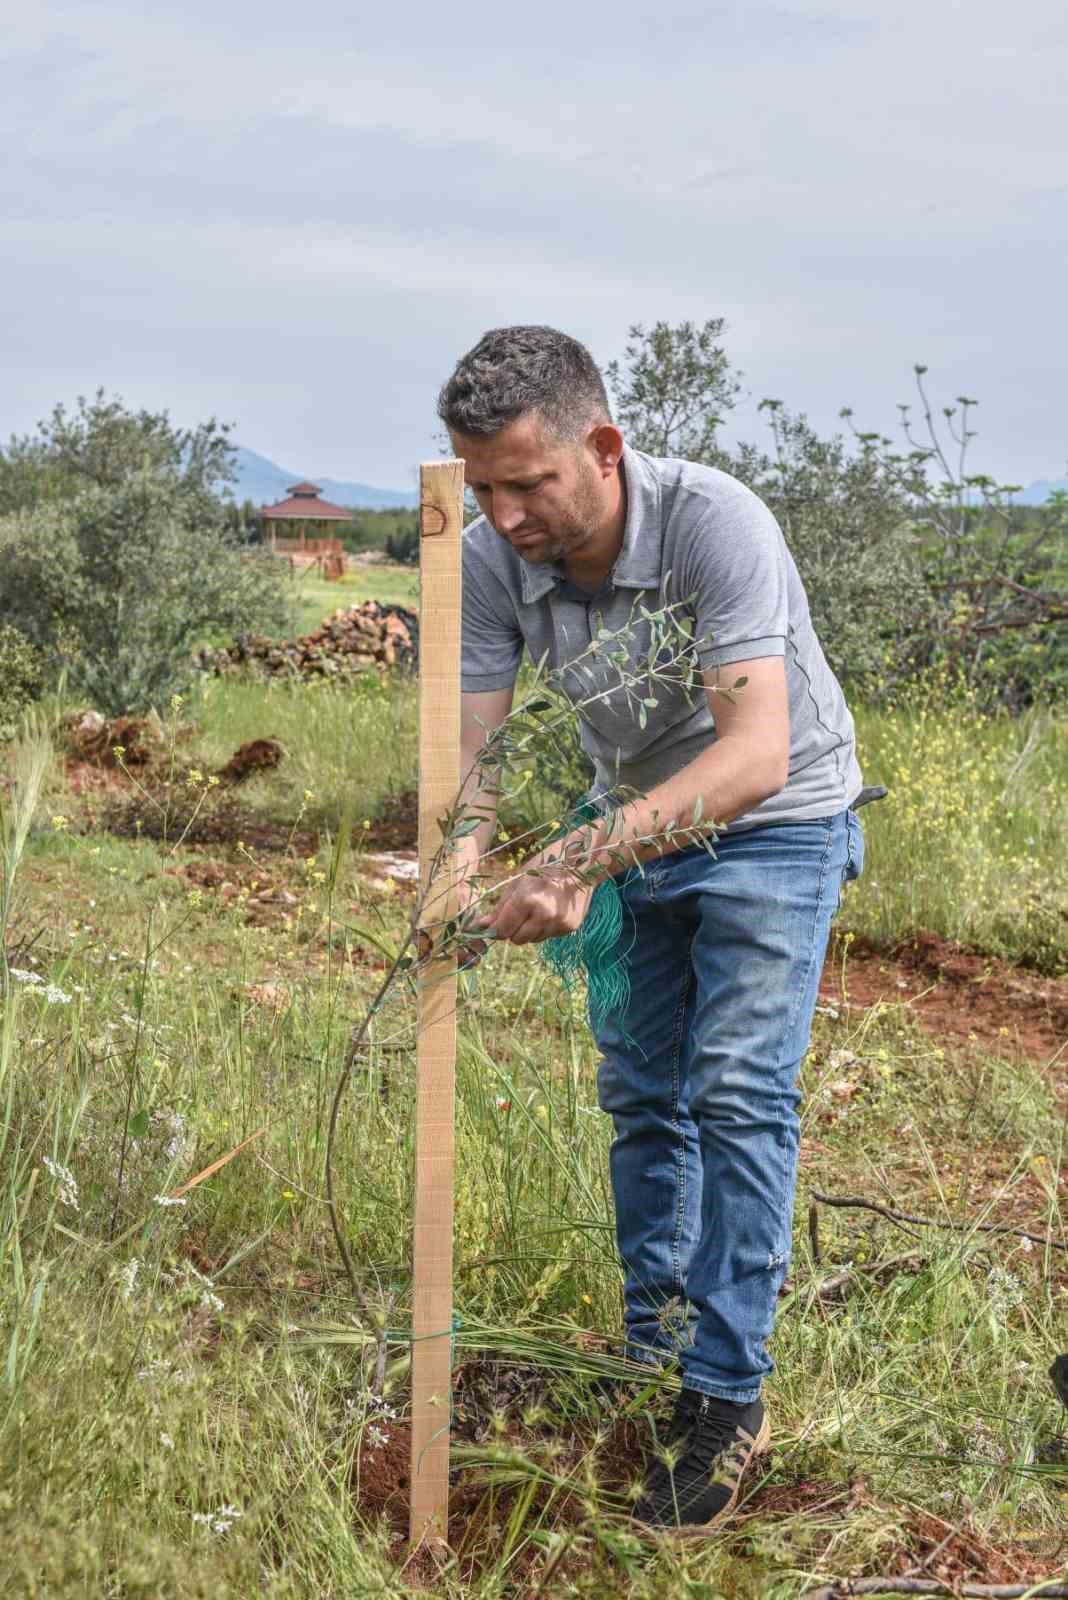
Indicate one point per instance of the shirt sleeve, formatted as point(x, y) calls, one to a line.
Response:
point(492, 643)
point(735, 577)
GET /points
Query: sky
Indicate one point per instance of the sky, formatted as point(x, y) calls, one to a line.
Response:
point(296, 217)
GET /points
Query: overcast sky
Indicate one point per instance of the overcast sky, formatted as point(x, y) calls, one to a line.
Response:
point(296, 216)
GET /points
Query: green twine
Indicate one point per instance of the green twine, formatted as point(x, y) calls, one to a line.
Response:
point(594, 951)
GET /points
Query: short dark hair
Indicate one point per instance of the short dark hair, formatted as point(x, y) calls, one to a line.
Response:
point(512, 371)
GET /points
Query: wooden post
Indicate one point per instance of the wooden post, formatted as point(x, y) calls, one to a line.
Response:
point(440, 525)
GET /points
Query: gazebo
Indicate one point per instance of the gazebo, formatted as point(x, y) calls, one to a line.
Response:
point(285, 528)
point(302, 507)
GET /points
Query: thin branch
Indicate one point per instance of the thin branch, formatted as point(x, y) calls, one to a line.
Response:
point(1044, 1589)
point(901, 1218)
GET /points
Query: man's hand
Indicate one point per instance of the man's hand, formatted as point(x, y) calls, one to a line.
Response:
point(541, 906)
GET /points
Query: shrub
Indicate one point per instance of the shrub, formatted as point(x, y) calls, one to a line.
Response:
point(911, 559)
point(118, 584)
point(22, 678)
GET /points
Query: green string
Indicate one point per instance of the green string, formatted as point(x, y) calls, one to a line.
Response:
point(594, 952)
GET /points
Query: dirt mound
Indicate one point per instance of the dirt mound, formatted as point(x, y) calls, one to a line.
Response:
point(954, 993)
point(94, 739)
point(355, 639)
point(256, 755)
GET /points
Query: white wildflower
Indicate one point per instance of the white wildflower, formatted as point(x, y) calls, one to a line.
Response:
point(166, 1441)
point(68, 1187)
point(20, 975)
point(220, 1521)
point(1004, 1290)
point(128, 1277)
point(55, 996)
point(376, 1436)
point(165, 1200)
point(211, 1302)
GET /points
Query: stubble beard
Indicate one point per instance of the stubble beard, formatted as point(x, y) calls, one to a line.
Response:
point(575, 526)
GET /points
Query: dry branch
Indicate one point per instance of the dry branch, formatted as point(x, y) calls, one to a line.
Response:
point(902, 1219)
point(1044, 1589)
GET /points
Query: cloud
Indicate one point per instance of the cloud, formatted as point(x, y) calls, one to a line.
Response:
point(299, 217)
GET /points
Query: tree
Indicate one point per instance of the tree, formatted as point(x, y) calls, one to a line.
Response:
point(102, 444)
point(996, 571)
point(909, 558)
point(846, 516)
point(674, 388)
point(115, 554)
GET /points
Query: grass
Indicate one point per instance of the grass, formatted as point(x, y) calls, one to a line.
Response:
point(184, 1401)
point(972, 841)
point(385, 581)
point(347, 748)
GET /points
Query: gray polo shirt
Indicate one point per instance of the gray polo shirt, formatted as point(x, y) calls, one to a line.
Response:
point(693, 536)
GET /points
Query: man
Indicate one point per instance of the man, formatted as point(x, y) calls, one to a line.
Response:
point(724, 953)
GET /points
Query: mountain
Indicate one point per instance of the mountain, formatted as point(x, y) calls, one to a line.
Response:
point(262, 482)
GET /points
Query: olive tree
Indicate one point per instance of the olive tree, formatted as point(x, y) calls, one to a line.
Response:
point(116, 557)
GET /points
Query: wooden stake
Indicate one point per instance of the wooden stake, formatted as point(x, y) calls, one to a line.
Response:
point(441, 522)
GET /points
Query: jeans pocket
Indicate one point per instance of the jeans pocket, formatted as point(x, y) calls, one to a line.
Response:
point(855, 848)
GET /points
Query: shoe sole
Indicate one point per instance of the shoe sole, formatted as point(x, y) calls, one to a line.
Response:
point(701, 1530)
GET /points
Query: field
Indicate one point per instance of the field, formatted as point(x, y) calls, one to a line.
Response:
point(189, 1397)
point(365, 580)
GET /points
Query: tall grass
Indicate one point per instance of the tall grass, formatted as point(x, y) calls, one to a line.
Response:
point(348, 747)
point(972, 841)
point(186, 1403)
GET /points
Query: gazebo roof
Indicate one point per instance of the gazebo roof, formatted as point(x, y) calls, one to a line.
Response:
point(303, 505)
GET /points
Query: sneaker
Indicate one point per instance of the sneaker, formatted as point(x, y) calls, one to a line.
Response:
point(694, 1485)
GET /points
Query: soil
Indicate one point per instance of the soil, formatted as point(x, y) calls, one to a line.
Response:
point(490, 1398)
point(961, 997)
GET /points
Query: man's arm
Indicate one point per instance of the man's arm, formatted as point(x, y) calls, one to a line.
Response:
point(747, 763)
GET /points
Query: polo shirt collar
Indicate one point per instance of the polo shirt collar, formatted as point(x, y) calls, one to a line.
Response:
point(638, 563)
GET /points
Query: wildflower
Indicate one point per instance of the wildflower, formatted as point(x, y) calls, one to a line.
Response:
point(128, 1277)
point(68, 1187)
point(309, 794)
point(220, 1521)
point(502, 1104)
point(118, 751)
point(166, 1441)
point(60, 822)
point(376, 1436)
point(195, 777)
point(20, 975)
point(366, 824)
point(1004, 1290)
point(211, 1302)
point(166, 1200)
point(212, 781)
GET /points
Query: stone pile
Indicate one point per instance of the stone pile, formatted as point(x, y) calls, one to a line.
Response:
point(354, 639)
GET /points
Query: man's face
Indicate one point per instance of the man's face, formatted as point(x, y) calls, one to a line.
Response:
point(547, 497)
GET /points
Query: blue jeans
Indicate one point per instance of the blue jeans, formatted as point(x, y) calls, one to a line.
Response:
point(724, 957)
